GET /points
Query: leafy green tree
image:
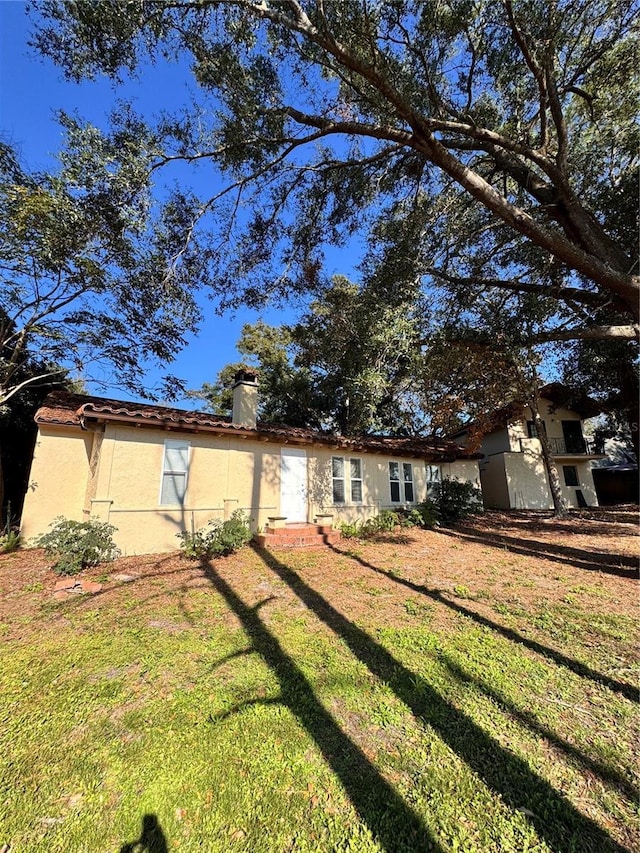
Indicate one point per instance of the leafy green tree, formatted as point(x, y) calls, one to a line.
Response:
point(346, 365)
point(486, 145)
point(286, 391)
point(81, 283)
point(608, 371)
point(362, 353)
point(480, 365)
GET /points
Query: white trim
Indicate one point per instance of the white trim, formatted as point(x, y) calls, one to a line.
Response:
point(298, 496)
point(347, 480)
point(359, 479)
point(402, 482)
point(342, 480)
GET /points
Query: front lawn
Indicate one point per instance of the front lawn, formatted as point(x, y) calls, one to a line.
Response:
point(469, 690)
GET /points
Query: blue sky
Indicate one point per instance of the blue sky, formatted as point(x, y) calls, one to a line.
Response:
point(32, 89)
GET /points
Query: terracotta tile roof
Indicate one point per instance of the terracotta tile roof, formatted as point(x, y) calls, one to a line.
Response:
point(67, 409)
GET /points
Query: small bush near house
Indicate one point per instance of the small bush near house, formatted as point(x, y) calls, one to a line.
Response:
point(76, 545)
point(411, 518)
point(350, 529)
point(10, 541)
point(429, 514)
point(217, 538)
point(451, 501)
point(385, 522)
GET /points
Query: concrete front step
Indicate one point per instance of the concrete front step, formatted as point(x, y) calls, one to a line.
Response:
point(298, 535)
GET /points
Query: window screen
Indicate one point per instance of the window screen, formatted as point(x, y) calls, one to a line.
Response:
point(337, 464)
point(407, 471)
point(355, 470)
point(174, 473)
point(394, 481)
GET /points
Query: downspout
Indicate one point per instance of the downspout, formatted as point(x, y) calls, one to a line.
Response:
point(94, 466)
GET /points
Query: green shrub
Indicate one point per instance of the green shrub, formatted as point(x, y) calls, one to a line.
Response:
point(385, 522)
point(452, 500)
point(429, 512)
point(76, 545)
point(411, 518)
point(217, 538)
point(10, 541)
point(350, 529)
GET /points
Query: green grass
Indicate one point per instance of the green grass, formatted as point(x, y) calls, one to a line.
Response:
point(286, 724)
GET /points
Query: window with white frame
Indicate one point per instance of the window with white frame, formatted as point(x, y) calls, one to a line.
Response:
point(343, 471)
point(401, 482)
point(337, 473)
point(433, 476)
point(175, 467)
point(394, 481)
point(355, 477)
point(407, 472)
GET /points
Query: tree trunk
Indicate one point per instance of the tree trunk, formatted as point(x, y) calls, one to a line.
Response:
point(559, 506)
point(1, 495)
point(631, 396)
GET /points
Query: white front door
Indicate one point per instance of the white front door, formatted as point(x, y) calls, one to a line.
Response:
point(293, 484)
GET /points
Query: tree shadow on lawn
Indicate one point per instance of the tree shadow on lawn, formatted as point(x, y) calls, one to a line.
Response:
point(594, 561)
point(629, 691)
point(605, 771)
point(601, 521)
point(556, 820)
point(393, 823)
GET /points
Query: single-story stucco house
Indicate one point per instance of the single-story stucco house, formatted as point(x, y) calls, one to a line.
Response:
point(153, 471)
point(512, 470)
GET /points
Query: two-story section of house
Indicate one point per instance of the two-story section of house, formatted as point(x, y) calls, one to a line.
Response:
point(512, 470)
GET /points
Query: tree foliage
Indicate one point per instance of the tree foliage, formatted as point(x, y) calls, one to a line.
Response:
point(82, 283)
point(481, 144)
point(608, 371)
point(349, 364)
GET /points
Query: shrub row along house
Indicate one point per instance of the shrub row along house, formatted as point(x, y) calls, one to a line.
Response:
point(153, 471)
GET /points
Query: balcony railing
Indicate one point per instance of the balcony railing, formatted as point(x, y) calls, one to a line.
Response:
point(571, 447)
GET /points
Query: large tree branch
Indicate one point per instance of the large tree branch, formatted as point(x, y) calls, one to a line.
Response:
point(625, 286)
point(590, 333)
point(611, 276)
point(570, 294)
point(7, 393)
point(535, 69)
point(482, 340)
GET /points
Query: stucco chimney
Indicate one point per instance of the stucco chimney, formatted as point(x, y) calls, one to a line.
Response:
point(245, 399)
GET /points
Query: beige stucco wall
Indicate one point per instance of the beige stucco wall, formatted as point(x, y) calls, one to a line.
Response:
point(224, 475)
point(465, 470)
point(498, 441)
point(376, 486)
point(376, 490)
point(58, 479)
point(495, 492)
point(120, 482)
point(529, 487)
point(552, 417)
point(517, 479)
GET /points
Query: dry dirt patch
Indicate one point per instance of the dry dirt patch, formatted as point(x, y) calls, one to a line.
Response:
point(524, 558)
